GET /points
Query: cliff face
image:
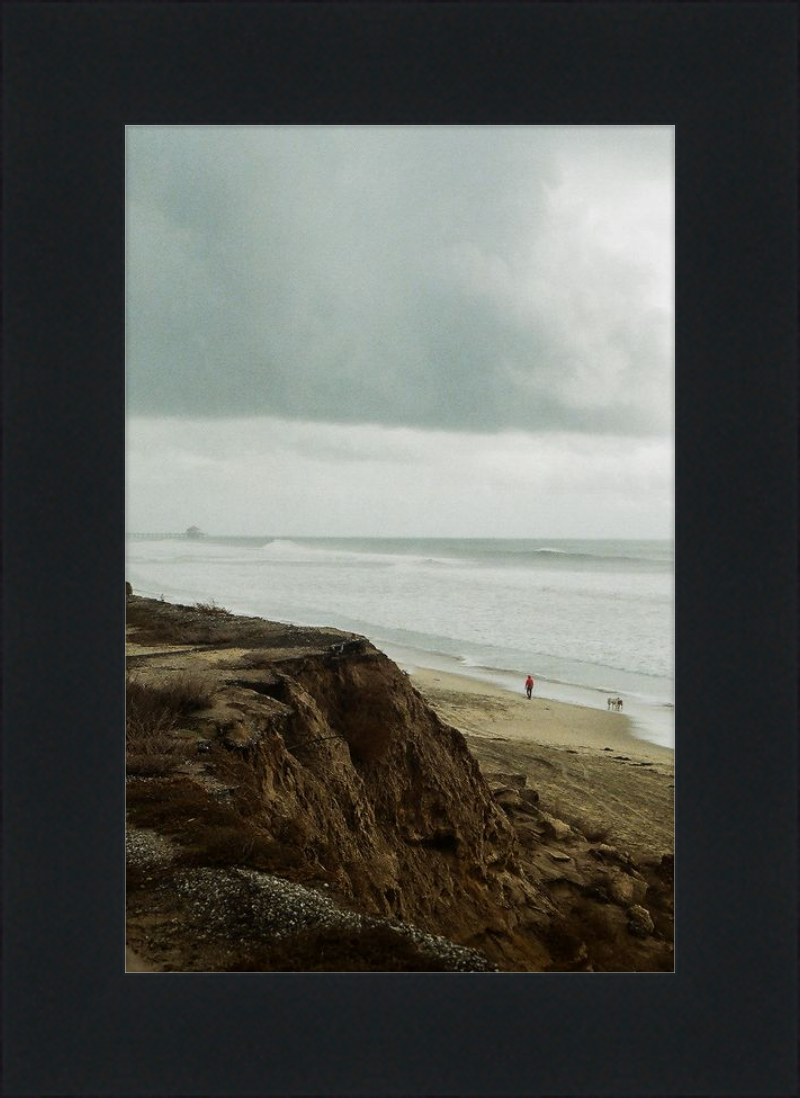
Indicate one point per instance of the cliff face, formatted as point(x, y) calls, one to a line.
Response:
point(382, 796)
point(333, 771)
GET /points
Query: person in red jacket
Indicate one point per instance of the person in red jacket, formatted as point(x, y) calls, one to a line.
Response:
point(529, 685)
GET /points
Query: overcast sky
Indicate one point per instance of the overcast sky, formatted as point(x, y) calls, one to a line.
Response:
point(422, 331)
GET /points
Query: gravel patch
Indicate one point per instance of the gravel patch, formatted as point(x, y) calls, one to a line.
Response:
point(251, 906)
point(458, 958)
point(144, 847)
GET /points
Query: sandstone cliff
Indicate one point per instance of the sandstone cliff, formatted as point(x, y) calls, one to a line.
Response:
point(293, 802)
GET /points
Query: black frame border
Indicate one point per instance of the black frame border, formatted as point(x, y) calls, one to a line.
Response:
point(725, 76)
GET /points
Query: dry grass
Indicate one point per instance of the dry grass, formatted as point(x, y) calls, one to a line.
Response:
point(211, 610)
point(239, 775)
point(241, 845)
point(157, 622)
point(169, 807)
point(148, 718)
point(162, 623)
point(259, 659)
point(154, 708)
point(152, 713)
point(210, 832)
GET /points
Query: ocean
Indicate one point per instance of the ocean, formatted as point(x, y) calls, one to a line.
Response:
point(588, 619)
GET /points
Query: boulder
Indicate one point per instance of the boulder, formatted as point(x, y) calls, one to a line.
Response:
point(527, 834)
point(556, 828)
point(640, 924)
point(505, 796)
point(626, 890)
point(604, 852)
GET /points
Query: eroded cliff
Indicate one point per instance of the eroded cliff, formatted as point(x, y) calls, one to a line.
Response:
point(261, 754)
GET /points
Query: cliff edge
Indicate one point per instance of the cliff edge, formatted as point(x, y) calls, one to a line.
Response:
point(293, 803)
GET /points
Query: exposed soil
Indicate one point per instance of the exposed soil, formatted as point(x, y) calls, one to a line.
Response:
point(296, 805)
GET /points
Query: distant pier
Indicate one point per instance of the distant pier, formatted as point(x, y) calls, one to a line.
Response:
point(192, 533)
point(158, 537)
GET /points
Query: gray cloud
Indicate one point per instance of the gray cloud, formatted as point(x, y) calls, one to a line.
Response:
point(428, 277)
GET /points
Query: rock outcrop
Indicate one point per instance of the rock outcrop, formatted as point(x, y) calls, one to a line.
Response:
point(307, 755)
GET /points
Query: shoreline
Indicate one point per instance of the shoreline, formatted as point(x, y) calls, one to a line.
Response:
point(484, 709)
point(649, 722)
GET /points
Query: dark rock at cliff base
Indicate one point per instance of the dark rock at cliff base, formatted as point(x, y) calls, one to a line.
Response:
point(640, 924)
point(603, 852)
point(625, 889)
point(556, 828)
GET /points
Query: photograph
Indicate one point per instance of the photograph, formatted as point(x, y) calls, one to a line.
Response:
point(427, 373)
point(399, 557)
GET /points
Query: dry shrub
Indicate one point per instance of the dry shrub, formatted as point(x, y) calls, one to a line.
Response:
point(162, 623)
point(148, 717)
point(231, 768)
point(240, 845)
point(211, 833)
point(157, 622)
point(152, 713)
point(153, 709)
point(186, 693)
point(212, 610)
point(259, 659)
point(151, 625)
point(169, 806)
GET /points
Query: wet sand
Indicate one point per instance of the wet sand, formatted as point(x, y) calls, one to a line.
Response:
point(484, 709)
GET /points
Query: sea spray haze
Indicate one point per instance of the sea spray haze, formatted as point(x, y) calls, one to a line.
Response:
point(589, 618)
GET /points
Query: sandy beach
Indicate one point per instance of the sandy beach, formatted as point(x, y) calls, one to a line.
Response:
point(586, 765)
point(480, 705)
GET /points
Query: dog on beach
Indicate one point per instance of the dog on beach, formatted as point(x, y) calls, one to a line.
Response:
point(615, 704)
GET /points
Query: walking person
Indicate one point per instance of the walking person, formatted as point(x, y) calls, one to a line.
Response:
point(529, 685)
